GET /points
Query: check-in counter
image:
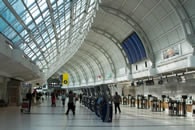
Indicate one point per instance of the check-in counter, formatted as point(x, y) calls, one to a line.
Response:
point(193, 109)
point(189, 108)
point(132, 101)
point(166, 105)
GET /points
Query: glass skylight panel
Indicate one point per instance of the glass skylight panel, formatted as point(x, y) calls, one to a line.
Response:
point(67, 15)
point(42, 4)
point(34, 11)
point(48, 45)
point(44, 49)
point(26, 18)
point(38, 20)
point(60, 9)
point(27, 50)
point(45, 14)
point(52, 1)
point(23, 33)
point(3, 25)
point(32, 45)
point(51, 50)
point(47, 18)
point(31, 7)
point(27, 38)
point(59, 2)
point(54, 6)
point(67, 28)
point(67, 6)
point(30, 54)
point(10, 33)
point(7, 30)
point(40, 41)
point(30, 2)
point(52, 35)
point(44, 35)
point(8, 16)
point(18, 7)
point(18, 26)
point(12, 2)
point(35, 50)
point(63, 30)
point(16, 39)
point(47, 56)
point(22, 45)
point(24, 14)
point(2, 7)
point(34, 58)
point(38, 53)
point(46, 40)
point(31, 26)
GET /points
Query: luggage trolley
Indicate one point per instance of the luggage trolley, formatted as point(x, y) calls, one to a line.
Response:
point(25, 106)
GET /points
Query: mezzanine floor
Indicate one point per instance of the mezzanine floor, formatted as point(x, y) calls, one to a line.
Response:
point(45, 117)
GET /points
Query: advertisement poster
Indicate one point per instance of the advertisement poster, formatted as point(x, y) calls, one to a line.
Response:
point(171, 52)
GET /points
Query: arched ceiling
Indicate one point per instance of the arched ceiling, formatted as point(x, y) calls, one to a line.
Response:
point(156, 22)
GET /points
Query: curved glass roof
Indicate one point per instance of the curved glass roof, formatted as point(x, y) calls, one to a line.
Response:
point(45, 28)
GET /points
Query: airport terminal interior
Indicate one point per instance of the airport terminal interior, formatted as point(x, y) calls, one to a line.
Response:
point(93, 56)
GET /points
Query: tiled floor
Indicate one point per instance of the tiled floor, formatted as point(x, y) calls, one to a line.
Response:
point(45, 117)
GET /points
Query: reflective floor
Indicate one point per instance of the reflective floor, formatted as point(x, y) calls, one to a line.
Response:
point(45, 117)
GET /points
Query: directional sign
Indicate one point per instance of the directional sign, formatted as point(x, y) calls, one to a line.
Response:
point(65, 79)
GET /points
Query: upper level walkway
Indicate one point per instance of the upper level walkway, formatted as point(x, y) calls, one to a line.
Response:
point(45, 117)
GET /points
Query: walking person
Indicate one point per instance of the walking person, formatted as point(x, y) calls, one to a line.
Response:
point(53, 100)
point(80, 97)
point(71, 103)
point(117, 100)
point(63, 99)
point(29, 98)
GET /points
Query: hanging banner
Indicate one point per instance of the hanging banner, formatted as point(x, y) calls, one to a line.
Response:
point(65, 79)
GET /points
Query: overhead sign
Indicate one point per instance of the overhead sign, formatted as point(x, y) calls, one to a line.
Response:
point(65, 79)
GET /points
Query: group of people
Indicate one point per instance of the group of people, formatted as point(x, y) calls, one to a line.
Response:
point(72, 100)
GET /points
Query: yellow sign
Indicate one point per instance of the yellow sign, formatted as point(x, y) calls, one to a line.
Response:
point(65, 79)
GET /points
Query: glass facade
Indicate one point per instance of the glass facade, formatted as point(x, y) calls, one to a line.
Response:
point(45, 28)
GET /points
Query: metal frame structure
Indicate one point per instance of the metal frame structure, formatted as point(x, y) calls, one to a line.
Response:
point(45, 30)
